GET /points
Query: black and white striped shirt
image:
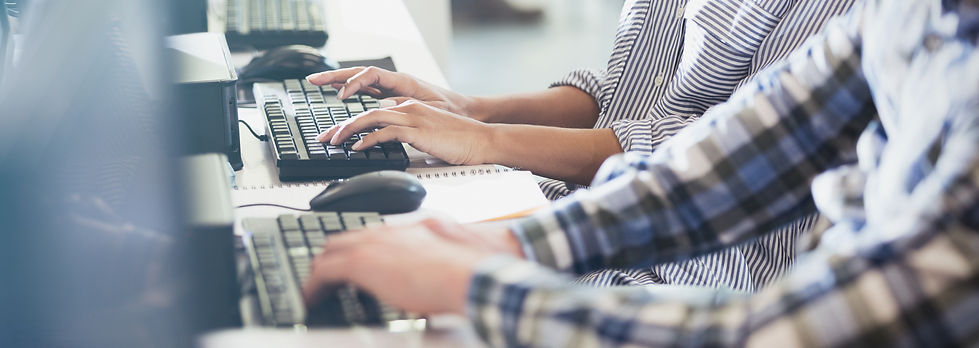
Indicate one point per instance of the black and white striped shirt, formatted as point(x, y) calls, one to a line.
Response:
point(672, 60)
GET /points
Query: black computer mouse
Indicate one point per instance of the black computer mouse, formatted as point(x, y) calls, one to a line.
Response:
point(287, 62)
point(384, 192)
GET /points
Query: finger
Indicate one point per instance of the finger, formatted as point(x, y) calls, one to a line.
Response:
point(411, 106)
point(328, 271)
point(331, 132)
point(368, 120)
point(334, 77)
point(371, 76)
point(393, 101)
point(386, 134)
point(452, 231)
point(374, 92)
point(441, 227)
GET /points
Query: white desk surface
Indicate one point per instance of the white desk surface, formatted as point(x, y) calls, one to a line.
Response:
point(358, 29)
point(453, 332)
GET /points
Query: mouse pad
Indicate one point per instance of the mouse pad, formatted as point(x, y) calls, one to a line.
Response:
point(385, 63)
point(247, 99)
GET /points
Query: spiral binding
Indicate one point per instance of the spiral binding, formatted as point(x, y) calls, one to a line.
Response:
point(426, 176)
point(461, 173)
point(289, 185)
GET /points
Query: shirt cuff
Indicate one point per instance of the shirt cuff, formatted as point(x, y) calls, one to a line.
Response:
point(647, 135)
point(543, 241)
point(498, 305)
point(587, 80)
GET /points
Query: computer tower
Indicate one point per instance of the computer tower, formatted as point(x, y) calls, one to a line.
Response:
point(206, 82)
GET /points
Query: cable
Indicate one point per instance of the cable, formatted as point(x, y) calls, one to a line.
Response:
point(259, 137)
point(271, 205)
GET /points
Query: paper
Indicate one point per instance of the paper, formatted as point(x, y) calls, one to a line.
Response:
point(484, 198)
point(465, 194)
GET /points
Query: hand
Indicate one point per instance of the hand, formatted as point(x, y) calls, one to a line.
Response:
point(397, 87)
point(450, 137)
point(408, 267)
point(496, 239)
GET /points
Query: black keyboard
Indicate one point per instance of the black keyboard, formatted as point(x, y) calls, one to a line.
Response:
point(271, 23)
point(280, 251)
point(296, 111)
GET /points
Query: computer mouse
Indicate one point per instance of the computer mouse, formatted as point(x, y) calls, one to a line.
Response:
point(287, 62)
point(384, 192)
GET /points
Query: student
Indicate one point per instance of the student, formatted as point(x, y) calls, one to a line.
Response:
point(894, 86)
point(671, 61)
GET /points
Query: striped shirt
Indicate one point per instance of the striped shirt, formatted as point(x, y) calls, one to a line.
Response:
point(875, 122)
point(672, 60)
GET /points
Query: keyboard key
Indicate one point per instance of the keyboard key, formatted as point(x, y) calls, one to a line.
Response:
point(375, 153)
point(320, 154)
point(331, 222)
point(335, 153)
point(309, 86)
point(356, 155)
point(355, 108)
point(310, 223)
point(372, 220)
point(292, 86)
point(299, 251)
point(396, 155)
point(288, 223)
point(352, 221)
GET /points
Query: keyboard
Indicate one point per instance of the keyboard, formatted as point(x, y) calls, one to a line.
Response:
point(271, 23)
point(296, 111)
point(280, 251)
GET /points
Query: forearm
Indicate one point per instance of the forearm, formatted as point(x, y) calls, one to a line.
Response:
point(563, 106)
point(515, 303)
point(741, 171)
point(568, 154)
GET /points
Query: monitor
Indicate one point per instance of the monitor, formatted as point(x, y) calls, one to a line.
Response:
point(6, 38)
point(94, 248)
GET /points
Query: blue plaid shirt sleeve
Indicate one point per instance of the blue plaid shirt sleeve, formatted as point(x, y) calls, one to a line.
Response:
point(905, 275)
point(745, 167)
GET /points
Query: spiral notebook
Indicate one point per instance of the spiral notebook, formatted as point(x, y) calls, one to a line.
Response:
point(464, 193)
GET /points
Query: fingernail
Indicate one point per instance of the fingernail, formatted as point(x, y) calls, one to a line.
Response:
point(358, 144)
point(387, 103)
point(310, 77)
point(340, 93)
point(321, 138)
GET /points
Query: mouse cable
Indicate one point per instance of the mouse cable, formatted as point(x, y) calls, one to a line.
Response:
point(259, 137)
point(271, 205)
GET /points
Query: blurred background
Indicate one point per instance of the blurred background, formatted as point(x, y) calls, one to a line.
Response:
point(490, 47)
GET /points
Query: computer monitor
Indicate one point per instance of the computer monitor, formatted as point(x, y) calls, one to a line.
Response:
point(5, 40)
point(189, 16)
point(94, 248)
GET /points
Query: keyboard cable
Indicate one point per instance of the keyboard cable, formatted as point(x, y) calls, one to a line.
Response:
point(259, 137)
point(271, 205)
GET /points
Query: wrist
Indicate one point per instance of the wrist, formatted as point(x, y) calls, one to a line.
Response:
point(490, 151)
point(480, 109)
point(513, 243)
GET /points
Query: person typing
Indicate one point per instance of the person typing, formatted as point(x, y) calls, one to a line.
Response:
point(874, 122)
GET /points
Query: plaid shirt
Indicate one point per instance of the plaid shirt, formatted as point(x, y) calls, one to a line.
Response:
point(899, 265)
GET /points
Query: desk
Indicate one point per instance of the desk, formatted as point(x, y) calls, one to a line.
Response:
point(360, 29)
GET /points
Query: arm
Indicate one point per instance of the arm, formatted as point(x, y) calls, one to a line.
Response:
point(889, 294)
point(572, 102)
point(567, 154)
point(742, 170)
point(561, 106)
